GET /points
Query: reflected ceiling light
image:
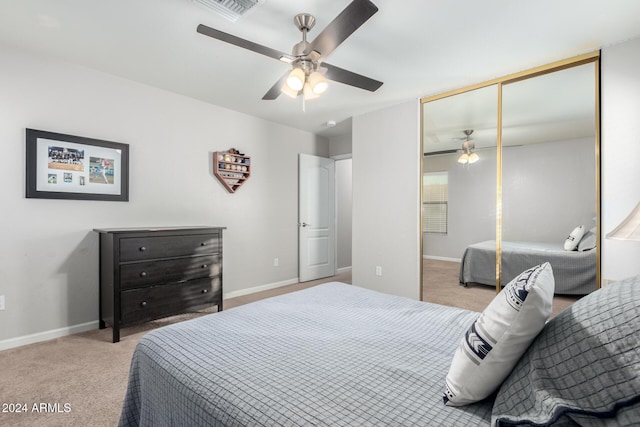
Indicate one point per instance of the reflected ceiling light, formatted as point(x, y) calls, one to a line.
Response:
point(629, 229)
point(468, 150)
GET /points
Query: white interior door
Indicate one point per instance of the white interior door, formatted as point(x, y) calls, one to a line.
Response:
point(316, 218)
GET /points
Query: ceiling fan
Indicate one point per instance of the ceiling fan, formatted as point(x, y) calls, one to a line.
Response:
point(309, 73)
point(469, 154)
point(467, 151)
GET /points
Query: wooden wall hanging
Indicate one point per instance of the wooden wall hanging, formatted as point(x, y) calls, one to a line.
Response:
point(232, 168)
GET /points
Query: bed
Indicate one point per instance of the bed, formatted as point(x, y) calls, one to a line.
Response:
point(575, 271)
point(334, 354)
point(330, 355)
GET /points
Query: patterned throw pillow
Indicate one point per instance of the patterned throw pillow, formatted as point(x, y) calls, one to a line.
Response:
point(587, 242)
point(571, 243)
point(583, 368)
point(497, 339)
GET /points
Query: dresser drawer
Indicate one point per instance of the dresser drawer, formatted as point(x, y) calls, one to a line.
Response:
point(144, 273)
point(158, 301)
point(140, 248)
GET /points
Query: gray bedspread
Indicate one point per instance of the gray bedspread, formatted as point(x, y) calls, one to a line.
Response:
point(574, 271)
point(333, 355)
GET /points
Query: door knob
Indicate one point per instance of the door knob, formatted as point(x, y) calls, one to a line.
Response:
point(304, 224)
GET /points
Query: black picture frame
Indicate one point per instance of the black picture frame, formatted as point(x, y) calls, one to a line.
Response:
point(60, 166)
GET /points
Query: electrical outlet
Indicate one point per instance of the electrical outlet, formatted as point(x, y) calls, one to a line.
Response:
point(378, 270)
point(1, 302)
point(276, 262)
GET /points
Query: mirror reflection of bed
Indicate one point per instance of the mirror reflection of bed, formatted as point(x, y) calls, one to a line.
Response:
point(547, 183)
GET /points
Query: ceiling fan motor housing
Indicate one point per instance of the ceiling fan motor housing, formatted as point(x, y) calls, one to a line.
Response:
point(299, 48)
point(304, 22)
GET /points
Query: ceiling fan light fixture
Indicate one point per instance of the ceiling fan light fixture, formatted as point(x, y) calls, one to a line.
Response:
point(296, 79)
point(308, 92)
point(318, 83)
point(463, 159)
point(288, 91)
point(473, 157)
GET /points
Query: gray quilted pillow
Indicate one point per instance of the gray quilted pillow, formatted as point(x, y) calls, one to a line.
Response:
point(583, 368)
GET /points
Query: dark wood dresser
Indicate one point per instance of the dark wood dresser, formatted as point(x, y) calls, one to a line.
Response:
point(149, 273)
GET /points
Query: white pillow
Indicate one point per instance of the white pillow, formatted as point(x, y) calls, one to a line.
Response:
point(571, 243)
point(499, 337)
point(587, 242)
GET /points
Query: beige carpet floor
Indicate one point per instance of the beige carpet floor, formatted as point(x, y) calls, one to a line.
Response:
point(81, 379)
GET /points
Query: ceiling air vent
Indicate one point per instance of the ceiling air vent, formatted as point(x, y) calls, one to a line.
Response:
point(230, 9)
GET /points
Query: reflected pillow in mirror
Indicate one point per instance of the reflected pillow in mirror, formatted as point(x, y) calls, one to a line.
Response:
point(571, 243)
point(587, 242)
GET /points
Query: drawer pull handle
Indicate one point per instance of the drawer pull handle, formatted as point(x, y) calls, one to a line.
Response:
point(142, 248)
point(204, 265)
point(143, 304)
point(203, 244)
point(143, 274)
point(204, 291)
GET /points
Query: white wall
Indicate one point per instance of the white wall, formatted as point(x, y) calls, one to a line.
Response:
point(548, 189)
point(620, 100)
point(48, 253)
point(386, 200)
point(340, 145)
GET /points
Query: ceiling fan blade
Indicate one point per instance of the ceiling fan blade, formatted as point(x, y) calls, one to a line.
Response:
point(439, 153)
point(349, 20)
point(276, 89)
point(350, 78)
point(246, 44)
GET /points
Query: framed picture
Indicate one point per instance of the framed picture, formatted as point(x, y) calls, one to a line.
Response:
point(63, 166)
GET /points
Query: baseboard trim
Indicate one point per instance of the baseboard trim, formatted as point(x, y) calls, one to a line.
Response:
point(441, 258)
point(47, 335)
point(267, 287)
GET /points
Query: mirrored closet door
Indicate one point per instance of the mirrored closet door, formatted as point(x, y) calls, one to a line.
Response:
point(459, 180)
point(549, 177)
point(511, 169)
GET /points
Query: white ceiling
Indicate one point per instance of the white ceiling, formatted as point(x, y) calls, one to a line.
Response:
point(416, 47)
